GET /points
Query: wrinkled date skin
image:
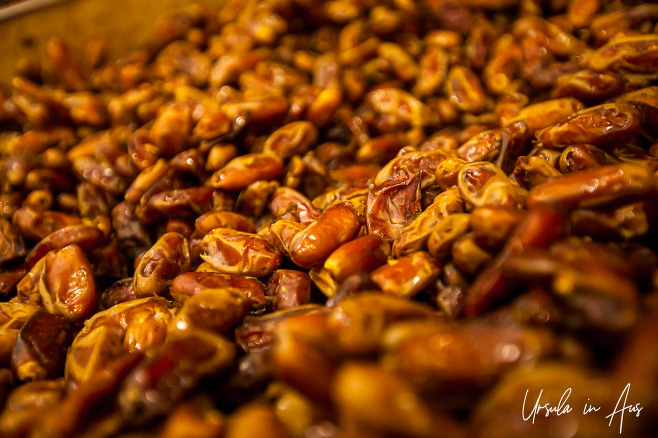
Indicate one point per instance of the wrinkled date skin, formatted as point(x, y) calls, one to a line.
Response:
point(190, 283)
point(424, 161)
point(284, 198)
point(336, 225)
point(252, 201)
point(236, 252)
point(63, 283)
point(483, 183)
point(603, 126)
point(415, 236)
point(483, 147)
point(447, 230)
point(295, 138)
point(157, 268)
point(583, 157)
point(14, 314)
point(281, 232)
point(177, 203)
point(631, 54)
point(534, 170)
point(392, 205)
point(543, 114)
point(133, 326)
point(223, 219)
point(216, 310)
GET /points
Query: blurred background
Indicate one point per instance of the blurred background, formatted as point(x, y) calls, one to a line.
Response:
point(26, 25)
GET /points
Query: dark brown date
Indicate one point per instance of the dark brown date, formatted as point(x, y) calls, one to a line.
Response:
point(41, 346)
point(289, 288)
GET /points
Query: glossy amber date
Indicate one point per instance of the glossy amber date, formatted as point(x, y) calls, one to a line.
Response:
point(63, 283)
point(415, 236)
point(133, 326)
point(236, 252)
point(407, 276)
point(157, 268)
point(603, 126)
point(246, 169)
point(295, 138)
point(633, 54)
point(222, 219)
point(216, 310)
point(189, 284)
point(336, 225)
point(362, 254)
point(594, 187)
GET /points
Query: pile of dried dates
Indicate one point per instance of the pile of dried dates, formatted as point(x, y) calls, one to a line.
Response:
point(336, 219)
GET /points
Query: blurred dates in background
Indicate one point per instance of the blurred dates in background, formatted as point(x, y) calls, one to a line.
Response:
point(344, 218)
